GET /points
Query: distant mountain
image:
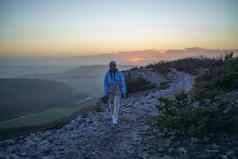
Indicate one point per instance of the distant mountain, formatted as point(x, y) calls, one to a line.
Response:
point(198, 49)
point(83, 79)
point(133, 57)
point(84, 70)
point(153, 55)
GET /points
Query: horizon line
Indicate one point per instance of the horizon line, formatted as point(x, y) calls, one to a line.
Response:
point(110, 53)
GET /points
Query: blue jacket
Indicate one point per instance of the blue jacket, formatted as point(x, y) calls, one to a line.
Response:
point(112, 79)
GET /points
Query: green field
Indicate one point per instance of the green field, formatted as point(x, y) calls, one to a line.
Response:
point(51, 118)
point(36, 119)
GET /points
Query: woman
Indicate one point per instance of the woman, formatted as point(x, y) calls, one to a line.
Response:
point(114, 89)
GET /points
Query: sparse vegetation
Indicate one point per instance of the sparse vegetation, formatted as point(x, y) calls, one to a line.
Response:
point(190, 65)
point(98, 107)
point(187, 117)
point(138, 84)
point(164, 85)
point(211, 108)
point(217, 80)
point(51, 118)
point(19, 97)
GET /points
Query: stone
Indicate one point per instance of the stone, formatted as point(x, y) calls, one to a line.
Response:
point(224, 157)
point(13, 156)
point(171, 149)
point(166, 157)
point(10, 142)
point(182, 150)
point(23, 154)
point(73, 155)
point(47, 157)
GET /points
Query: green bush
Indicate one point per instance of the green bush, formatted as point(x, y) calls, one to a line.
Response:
point(188, 65)
point(209, 117)
point(209, 109)
point(217, 80)
point(138, 84)
point(164, 85)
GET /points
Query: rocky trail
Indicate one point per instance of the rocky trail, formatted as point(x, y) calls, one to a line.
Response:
point(92, 136)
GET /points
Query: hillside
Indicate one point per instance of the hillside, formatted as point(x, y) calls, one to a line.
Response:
point(23, 96)
point(167, 123)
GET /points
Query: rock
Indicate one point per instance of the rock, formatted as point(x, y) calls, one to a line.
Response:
point(230, 153)
point(29, 143)
point(45, 147)
point(171, 149)
point(166, 157)
point(47, 157)
point(224, 157)
point(73, 155)
point(182, 150)
point(153, 157)
point(212, 150)
point(195, 104)
point(35, 139)
point(10, 142)
point(14, 156)
point(194, 140)
point(23, 154)
point(2, 156)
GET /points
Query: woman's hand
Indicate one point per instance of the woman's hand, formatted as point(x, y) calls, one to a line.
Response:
point(123, 95)
point(105, 99)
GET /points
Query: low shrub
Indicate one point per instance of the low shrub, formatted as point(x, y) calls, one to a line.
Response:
point(188, 117)
point(138, 84)
point(212, 107)
point(188, 65)
point(98, 107)
point(217, 80)
point(164, 85)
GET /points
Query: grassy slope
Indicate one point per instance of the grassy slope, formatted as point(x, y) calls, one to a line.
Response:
point(23, 96)
point(51, 118)
point(35, 119)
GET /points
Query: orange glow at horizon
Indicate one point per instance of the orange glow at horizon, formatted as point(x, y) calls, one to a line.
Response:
point(136, 59)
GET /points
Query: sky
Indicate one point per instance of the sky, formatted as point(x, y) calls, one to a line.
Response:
point(85, 27)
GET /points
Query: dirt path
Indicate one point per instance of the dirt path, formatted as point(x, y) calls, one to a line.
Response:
point(92, 136)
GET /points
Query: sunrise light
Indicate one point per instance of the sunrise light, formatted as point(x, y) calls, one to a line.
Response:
point(72, 28)
point(136, 59)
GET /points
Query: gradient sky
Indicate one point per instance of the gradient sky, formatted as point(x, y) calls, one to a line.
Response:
point(82, 27)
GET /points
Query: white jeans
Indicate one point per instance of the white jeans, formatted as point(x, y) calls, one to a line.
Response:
point(114, 107)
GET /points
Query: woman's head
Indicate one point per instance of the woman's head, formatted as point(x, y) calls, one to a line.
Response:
point(113, 65)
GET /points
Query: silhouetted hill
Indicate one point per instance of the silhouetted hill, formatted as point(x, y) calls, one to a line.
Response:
point(21, 96)
point(84, 79)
